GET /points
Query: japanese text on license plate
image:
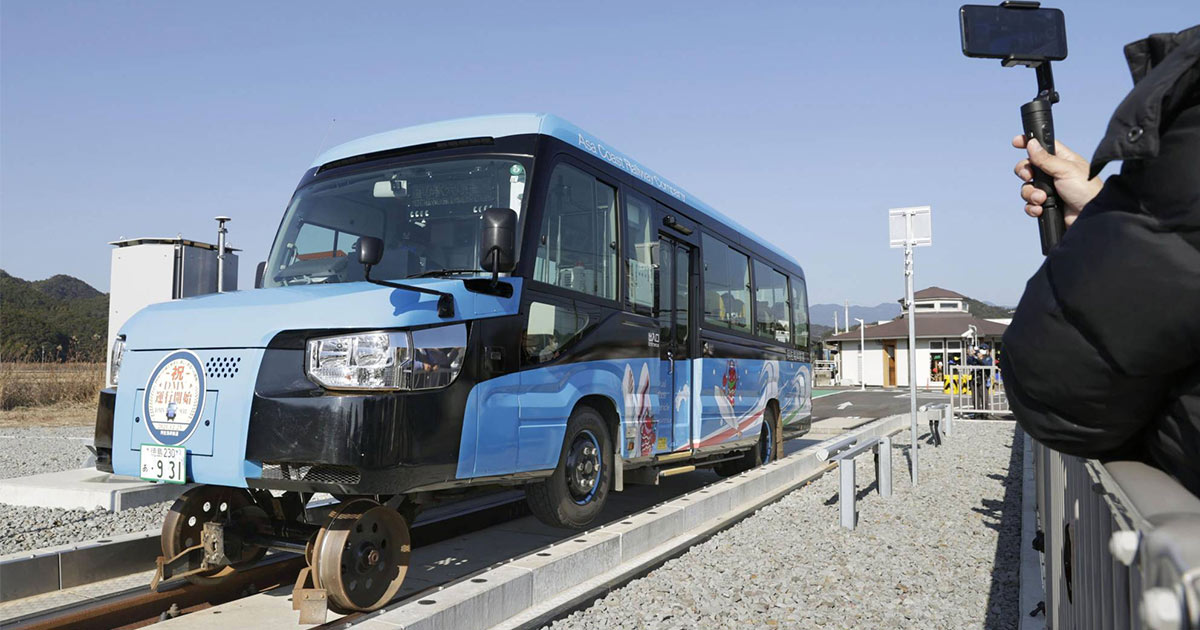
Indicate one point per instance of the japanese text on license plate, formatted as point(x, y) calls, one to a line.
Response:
point(164, 463)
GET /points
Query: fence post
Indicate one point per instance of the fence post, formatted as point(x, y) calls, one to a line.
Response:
point(846, 490)
point(883, 466)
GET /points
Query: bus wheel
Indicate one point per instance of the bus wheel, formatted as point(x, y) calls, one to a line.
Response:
point(361, 555)
point(762, 453)
point(185, 521)
point(574, 495)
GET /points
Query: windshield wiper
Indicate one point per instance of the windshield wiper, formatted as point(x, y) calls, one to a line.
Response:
point(442, 272)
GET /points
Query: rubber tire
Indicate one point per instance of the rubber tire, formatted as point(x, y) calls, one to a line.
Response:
point(550, 500)
point(752, 458)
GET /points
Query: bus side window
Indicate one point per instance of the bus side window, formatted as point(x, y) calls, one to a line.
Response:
point(771, 294)
point(800, 313)
point(550, 330)
point(726, 286)
point(577, 245)
point(641, 239)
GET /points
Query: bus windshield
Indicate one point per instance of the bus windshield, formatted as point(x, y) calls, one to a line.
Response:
point(427, 215)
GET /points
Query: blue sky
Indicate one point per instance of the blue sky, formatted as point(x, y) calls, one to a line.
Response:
point(804, 121)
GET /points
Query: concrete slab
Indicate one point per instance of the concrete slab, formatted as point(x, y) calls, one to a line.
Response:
point(480, 602)
point(565, 563)
point(30, 575)
point(85, 489)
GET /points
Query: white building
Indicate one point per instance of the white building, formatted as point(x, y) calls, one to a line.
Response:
point(945, 328)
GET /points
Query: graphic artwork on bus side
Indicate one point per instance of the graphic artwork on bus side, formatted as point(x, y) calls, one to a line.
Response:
point(727, 395)
point(735, 425)
point(637, 409)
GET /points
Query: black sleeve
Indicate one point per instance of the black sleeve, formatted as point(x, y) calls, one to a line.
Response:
point(1112, 318)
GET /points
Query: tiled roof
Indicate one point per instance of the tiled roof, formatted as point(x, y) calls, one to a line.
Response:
point(937, 292)
point(928, 325)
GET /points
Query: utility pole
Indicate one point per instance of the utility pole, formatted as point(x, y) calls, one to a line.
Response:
point(835, 322)
point(862, 347)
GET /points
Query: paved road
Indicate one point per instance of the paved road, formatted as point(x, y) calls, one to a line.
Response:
point(872, 403)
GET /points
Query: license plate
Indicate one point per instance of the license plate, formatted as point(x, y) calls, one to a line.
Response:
point(164, 463)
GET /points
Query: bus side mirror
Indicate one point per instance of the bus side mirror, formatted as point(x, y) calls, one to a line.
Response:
point(370, 250)
point(498, 240)
point(259, 272)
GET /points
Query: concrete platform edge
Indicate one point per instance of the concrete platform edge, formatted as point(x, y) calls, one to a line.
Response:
point(1032, 590)
point(45, 570)
point(600, 552)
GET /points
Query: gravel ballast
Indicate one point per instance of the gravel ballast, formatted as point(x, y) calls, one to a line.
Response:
point(942, 555)
point(28, 451)
point(29, 528)
point(34, 450)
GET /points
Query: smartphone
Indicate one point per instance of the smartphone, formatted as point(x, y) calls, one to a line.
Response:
point(1021, 33)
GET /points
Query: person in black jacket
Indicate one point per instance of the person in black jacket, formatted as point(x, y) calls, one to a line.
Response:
point(1102, 358)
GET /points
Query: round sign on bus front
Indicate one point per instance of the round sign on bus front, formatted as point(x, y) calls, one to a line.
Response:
point(174, 398)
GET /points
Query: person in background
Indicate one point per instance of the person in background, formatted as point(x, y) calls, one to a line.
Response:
point(974, 379)
point(1102, 358)
point(985, 360)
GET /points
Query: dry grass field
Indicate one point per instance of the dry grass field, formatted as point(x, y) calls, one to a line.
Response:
point(30, 386)
point(56, 415)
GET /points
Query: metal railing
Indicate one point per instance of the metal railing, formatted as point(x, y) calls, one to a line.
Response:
point(823, 372)
point(976, 390)
point(1120, 542)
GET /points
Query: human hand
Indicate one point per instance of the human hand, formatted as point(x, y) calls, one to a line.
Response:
point(1070, 173)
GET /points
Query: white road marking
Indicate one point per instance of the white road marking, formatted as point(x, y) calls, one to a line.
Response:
point(844, 405)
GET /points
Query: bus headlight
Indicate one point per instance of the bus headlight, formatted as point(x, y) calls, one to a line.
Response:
point(374, 360)
point(114, 361)
point(388, 360)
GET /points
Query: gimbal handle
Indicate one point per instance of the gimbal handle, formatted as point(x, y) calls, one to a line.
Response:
point(1038, 123)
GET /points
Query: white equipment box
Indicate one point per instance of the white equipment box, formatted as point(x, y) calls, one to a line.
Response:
point(146, 271)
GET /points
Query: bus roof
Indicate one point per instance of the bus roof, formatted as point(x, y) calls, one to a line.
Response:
point(500, 125)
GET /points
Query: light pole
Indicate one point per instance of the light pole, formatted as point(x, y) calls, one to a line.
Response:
point(862, 347)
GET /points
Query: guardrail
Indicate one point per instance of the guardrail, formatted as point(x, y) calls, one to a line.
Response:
point(1121, 544)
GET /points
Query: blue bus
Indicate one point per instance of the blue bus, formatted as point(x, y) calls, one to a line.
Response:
point(494, 301)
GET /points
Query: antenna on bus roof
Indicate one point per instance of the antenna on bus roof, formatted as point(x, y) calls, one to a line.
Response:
point(325, 136)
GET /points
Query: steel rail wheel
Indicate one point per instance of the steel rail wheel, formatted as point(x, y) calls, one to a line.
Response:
point(186, 518)
point(361, 556)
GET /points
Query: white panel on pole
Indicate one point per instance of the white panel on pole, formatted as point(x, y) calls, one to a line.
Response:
point(922, 227)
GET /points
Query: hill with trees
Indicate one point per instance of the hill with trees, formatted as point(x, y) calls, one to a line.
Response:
point(61, 318)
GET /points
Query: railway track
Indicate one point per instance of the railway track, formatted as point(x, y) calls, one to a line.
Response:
point(179, 600)
point(140, 607)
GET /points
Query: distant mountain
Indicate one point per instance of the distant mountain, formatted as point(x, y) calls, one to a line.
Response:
point(57, 319)
point(64, 287)
point(823, 313)
point(987, 310)
point(817, 333)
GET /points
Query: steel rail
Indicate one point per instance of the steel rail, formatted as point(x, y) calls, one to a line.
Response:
point(128, 609)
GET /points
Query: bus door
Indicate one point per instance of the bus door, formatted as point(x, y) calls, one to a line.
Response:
point(675, 341)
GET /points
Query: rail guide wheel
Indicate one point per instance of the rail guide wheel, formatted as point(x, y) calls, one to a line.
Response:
point(361, 555)
point(184, 525)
